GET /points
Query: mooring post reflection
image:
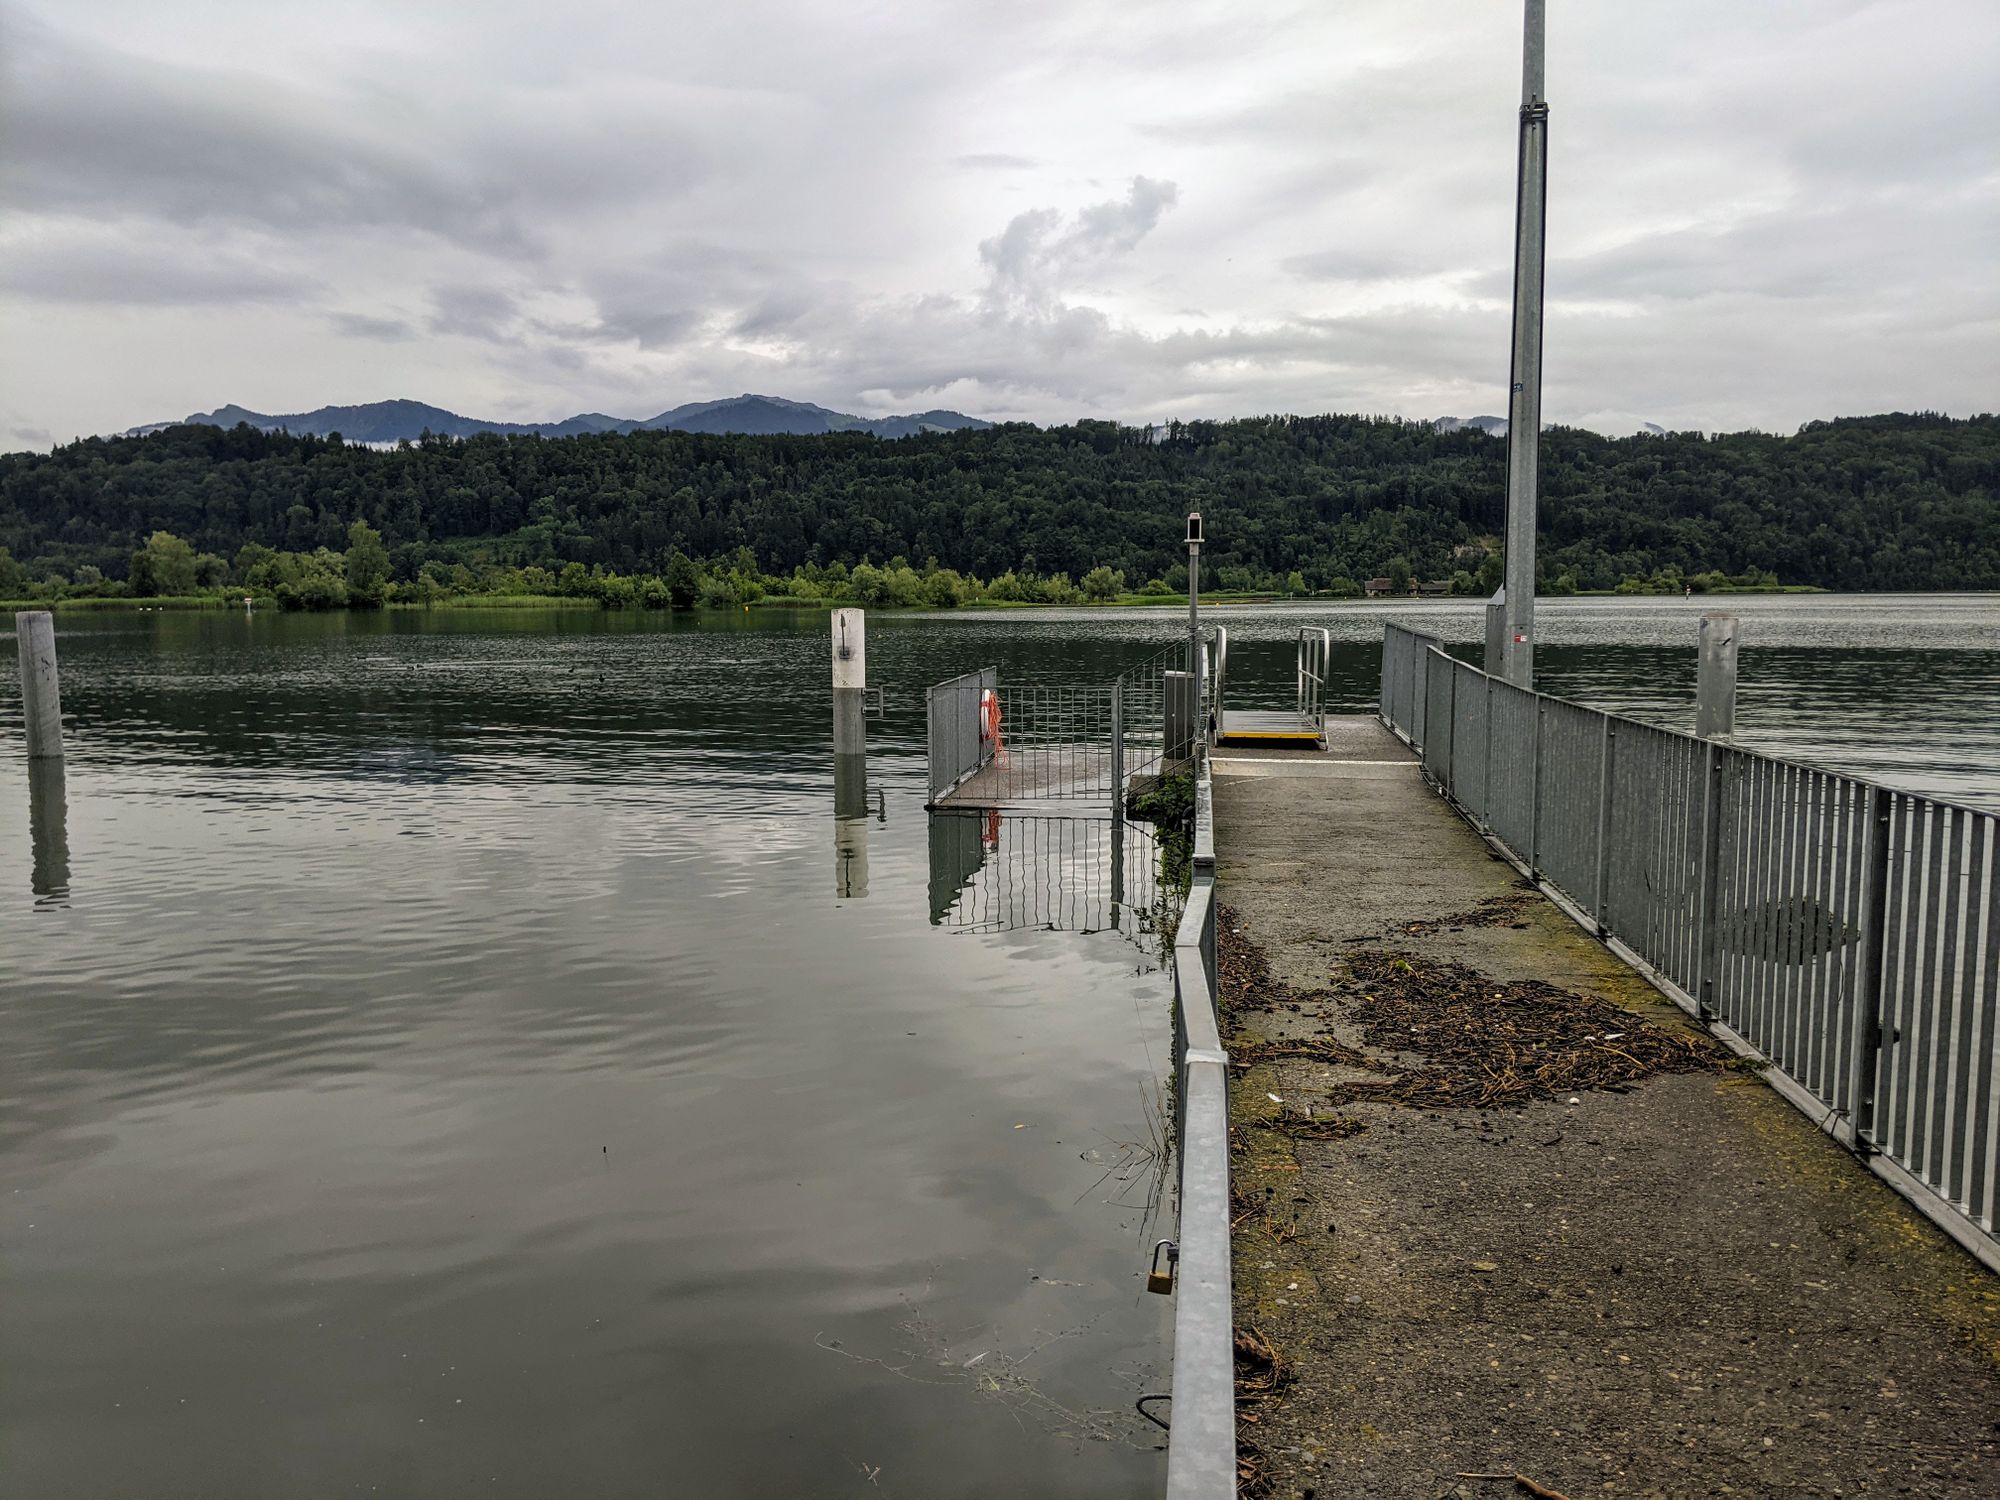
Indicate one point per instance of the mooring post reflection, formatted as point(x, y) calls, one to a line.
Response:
point(48, 828)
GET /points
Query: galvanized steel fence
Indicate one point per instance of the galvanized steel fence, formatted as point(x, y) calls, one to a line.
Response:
point(1847, 932)
point(958, 747)
point(1148, 710)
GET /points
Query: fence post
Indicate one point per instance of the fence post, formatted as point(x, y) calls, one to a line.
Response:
point(1535, 793)
point(1709, 930)
point(1866, 1060)
point(1118, 747)
point(1607, 759)
point(1486, 797)
point(1451, 743)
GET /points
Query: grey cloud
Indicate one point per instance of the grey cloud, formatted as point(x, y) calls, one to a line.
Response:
point(996, 162)
point(1361, 265)
point(1036, 254)
point(129, 266)
point(98, 132)
point(361, 326)
point(472, 312)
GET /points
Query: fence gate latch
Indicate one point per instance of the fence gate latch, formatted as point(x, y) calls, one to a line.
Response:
point(1158, 1280)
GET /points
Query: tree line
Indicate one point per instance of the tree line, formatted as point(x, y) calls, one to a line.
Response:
point(1092, 510)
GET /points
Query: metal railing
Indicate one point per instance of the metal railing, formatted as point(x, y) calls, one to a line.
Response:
point(1848, 933)
point(958, 744)
point(1315, 652)
point(1201, 1442)
point(1144, 707)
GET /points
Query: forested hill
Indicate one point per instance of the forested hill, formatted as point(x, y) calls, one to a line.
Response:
point(1888, 502)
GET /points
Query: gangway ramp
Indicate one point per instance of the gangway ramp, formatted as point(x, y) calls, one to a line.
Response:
point(1303, 726)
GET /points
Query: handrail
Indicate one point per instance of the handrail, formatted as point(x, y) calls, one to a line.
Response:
point(1845, 932)
point(1221, 677)
point(1315, 656)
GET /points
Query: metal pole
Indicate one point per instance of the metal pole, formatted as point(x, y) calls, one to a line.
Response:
point(1864, 1065)
point(1534, 850)
point(1715, 680)
point(1524, 407)
point(1607, 774)
point(41, 686)
point(1709, 936)
point(1195, 716)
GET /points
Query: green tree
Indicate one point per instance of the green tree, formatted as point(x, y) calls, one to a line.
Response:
point(1102, 584)
point(367, 566)
point(1398, 574)
point(165, 565)
point(12, 576)
point(683, 580)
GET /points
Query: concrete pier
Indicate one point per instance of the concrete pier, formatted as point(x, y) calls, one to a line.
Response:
point(1679, 1288)
point(41, 688)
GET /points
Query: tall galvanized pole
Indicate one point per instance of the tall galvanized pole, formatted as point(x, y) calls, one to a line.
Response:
point(1524, 408)
point(1195, 716)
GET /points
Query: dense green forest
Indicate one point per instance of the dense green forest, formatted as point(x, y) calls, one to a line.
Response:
point(1293, 504)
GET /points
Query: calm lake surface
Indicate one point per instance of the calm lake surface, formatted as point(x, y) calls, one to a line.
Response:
point(466, 1053)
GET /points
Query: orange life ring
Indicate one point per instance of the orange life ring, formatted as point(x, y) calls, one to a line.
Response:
point(989, 717)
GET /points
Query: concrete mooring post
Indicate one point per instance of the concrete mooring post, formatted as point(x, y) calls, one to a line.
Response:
point(850, 757)
point(1715, 682)
point(850, 682)
point(41, 689)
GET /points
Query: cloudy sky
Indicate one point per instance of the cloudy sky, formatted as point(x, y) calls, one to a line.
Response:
point(1762, 211)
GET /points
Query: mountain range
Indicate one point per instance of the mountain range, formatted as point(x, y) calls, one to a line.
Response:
point(395, 421)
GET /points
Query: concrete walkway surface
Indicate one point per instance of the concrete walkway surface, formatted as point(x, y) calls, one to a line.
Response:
point(1677, 1289)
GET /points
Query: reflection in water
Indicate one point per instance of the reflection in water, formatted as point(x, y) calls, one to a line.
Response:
point(850, 824)
point(48, 830)
point(993, 871)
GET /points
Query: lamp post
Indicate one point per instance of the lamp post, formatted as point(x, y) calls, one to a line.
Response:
point(1194, 620)
point(1524, 401)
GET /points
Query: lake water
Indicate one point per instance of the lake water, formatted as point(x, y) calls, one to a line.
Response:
point(467, 1054)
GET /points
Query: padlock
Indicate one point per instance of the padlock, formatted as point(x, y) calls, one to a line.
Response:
point(1158, 1280)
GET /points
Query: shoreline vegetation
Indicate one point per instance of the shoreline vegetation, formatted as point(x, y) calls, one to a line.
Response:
point(234, 599)
point(167, 573)
point(1334, 507)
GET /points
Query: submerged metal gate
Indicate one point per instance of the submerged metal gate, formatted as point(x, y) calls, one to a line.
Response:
point(998, 744)
point(1848, 932)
